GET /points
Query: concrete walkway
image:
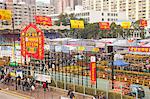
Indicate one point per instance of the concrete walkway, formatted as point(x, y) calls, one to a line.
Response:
point(38, 93)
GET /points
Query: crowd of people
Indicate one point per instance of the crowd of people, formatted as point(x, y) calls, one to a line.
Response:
point(100, 96)
point(22, 83)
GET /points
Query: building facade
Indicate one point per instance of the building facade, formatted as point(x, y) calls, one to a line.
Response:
point(135, 9)
point(44, 9)
point(62, 5)
point(23, 13)
point(31, 2)
point(92, 16)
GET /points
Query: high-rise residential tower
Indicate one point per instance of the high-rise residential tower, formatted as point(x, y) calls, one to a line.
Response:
point(31, 2)
point(135, 9)
point(62, 5)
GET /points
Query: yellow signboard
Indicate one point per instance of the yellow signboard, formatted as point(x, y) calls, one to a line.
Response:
point(12, 74)
point(126, 25)
point(95, 49)
point(77, 24)
point(81, 48)
point(5, 15)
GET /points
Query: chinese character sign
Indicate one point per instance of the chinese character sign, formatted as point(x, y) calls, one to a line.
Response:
point(139, 49)
point(77, 24)
point(32, 42)
point(5, 15)
point(43, 20)
point(104, 25)
point(126, 25)
point(143, 23)
point(93, 69)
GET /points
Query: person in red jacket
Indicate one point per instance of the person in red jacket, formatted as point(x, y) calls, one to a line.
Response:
point(44, 86)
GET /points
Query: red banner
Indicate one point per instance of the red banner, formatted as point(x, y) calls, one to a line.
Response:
point(143, 23)
point(139, 49)
point(104, 25)
point(43, 20)
point(32, 42)
point(93, 72)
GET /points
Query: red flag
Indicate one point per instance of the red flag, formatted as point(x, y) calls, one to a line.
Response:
point(104, 25)
point(143, 23)
point(43, 20)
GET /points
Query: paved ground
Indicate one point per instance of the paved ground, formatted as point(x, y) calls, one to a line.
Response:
point(8, 96)
point(102, 84)
point(51, 94)
point(37, 94)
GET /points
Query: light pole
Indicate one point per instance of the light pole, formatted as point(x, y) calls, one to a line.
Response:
point(112, 68)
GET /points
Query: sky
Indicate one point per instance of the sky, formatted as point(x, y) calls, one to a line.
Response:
point(46, 1)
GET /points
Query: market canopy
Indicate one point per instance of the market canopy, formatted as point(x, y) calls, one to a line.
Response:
point(120, 63)
point(124, 43)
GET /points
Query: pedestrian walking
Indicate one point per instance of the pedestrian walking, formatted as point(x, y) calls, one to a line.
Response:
point(32, 87)
point(16, 83)
point(19, 81)
point(47, 85)
point(72, 96)
point(69, 92)
point(44, 86)
point(23, 84)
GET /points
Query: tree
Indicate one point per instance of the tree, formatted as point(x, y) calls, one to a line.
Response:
point(64, 19)
point(113, 27)
point(92, 31)
point(136, 26)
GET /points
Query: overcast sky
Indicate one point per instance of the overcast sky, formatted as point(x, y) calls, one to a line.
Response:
point(46, 1)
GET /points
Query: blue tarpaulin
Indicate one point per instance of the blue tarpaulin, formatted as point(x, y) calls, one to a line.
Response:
point(120, 63)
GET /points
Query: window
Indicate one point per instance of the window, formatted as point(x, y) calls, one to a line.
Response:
point(102, 19)
point(108, 14)
point(102, 14)
point(108, 19)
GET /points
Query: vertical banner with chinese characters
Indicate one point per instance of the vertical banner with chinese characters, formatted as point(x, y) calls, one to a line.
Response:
point(32, 42)
point(93, 69)
point(104, 25)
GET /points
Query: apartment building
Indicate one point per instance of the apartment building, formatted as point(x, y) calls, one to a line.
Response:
point(92, 16)
point(44, 9)
point(31, 2)
point(135, 9)
point(62, 5)
point(23, 13)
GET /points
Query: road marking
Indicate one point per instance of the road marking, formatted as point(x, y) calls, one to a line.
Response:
point(12, 93)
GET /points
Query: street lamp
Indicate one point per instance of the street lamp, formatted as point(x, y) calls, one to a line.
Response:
point(112, 68)
point(111, 53)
